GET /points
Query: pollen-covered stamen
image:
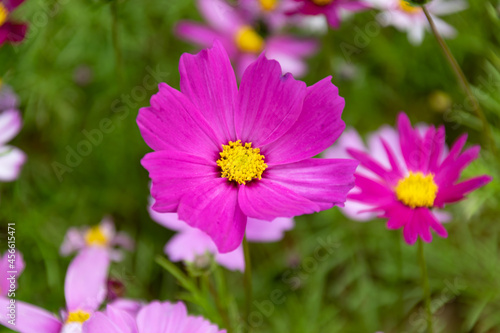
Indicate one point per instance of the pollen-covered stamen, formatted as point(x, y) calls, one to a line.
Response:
point(417, 190)
point(96, 237)
point(268, 5)
point(78, 316)
point(4, 13)
point(248, 40)
point(322, 2)
point(241, 163)
point(407, 7)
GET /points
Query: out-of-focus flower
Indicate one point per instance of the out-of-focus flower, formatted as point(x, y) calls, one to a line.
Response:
point(275, 15)
point(416, 176)
point(157, 316)
point(11, 158)
point(242, 41)
point(84, 289)
point(10, 31)
point(190, 243)
point(103, 235)
point(11, 264)
point(331, 9)
point(224, 154)
point(411, 19)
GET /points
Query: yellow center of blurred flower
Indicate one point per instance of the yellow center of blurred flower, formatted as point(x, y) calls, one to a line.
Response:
point(248, 40)
point(268, 5)
point(417, 190)
point(405, 5)
point(322, 2)
point(95, 236)
point(78, 316)
point(241, 163)
point(4, 13)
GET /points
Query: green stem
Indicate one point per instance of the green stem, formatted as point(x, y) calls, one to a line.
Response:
point(114, 38)
point(247, 280)
point(425, 285)
point(462, 81)
point(218, 304)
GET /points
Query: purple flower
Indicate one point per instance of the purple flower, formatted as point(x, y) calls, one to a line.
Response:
point(331, 9)
point(10, 262)
point(243, 43)
point(84, 289)
point(103, 235)
point(224, 154)
point(416, 175)
point(155, 317)
point(10, 31)
point(190, 244)
point(11, 158)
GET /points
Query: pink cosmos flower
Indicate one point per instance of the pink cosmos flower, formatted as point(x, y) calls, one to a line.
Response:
point(11, 264)
point(102, 235)
point(84, 288)
point(190, 244)
point(242, 42)
point(224, 154)
point(157, 316)
point(331, 9)
point(350, 139)
point(411, 19)
point(416, 176)
point(11, 158)
point(10, 31)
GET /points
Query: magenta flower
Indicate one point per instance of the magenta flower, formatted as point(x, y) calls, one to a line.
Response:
point(155, 317)
point(417, 176)
point(224, 154)
point(11, 264)
point(11, 158)
point(350, 139)
point(84, 288)
point(191, 244)
point(331, 9)
point(103, 235)
point(10, 31)
point(243, 43)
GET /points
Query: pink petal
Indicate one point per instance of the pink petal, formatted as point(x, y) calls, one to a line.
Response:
point(265, 231)
point(174, 123)
point(85, 284)
point(389, 176)
point(213, 208)
point(267, 200)
point(5, 267)
point(122, 319)
point(450, 173)
point(268, 103)
point(10, 125)
point(409, 141)
point(11, 162)
point(8, 100)
point(220, 15)
point(188, 244)
point(325, 182)
point(168, 220)
point(372, 192)
point(73, 241)
point(100, 323)
point(317, 127)
point(203, 36)
point(174, 174)
point(161, 317)
point(458, 191)
point(208, 80)
point(349, 139)
point(16, 32)
point(29, 318)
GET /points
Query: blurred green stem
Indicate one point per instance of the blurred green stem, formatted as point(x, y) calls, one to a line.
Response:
point(114, 38)
point(247, 280)
point(462, 80)
point(218, 304)
point(425, 285)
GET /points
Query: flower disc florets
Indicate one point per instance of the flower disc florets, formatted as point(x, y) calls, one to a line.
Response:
point(417, 190)
point(241, 163)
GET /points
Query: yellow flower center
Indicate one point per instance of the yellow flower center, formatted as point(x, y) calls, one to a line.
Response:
point(322, 2)
point(78, 316)
point(405, 5)
point(248, 40)
point(241, 163)
point(4, 13)
point(417, 190)
point(268, 5)
point(95, 236)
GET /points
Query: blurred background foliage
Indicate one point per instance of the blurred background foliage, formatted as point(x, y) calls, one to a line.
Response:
point(83, 58)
